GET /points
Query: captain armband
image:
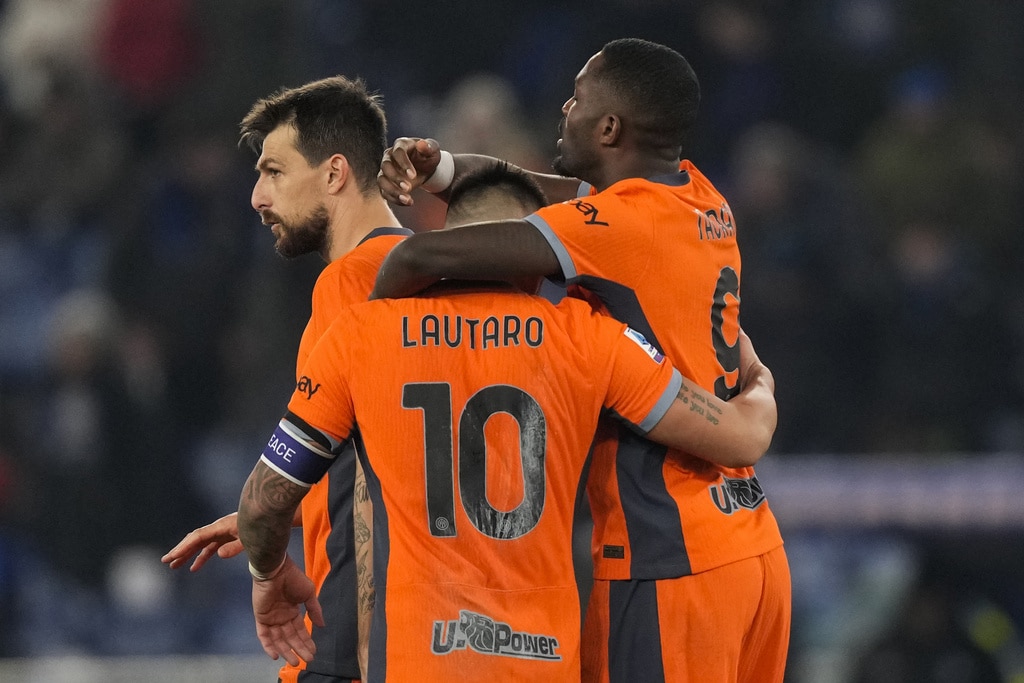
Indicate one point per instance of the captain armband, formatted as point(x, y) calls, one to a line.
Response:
point(295, 456)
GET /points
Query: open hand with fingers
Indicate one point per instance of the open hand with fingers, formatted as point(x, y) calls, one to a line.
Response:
point(279, 621)
point(220, 538)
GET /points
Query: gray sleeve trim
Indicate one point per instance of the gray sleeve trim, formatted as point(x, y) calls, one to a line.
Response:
point(564, 260)
point(662, 406)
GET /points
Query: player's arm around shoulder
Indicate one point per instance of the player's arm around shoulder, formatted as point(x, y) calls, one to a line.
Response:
point(734, 433)
point(496, 250)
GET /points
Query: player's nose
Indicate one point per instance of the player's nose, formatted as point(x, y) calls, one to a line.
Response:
point(259, 199)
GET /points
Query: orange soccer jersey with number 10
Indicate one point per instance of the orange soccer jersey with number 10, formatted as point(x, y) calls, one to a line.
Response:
point(328, 550)
point(660, 254)
point(474, 413)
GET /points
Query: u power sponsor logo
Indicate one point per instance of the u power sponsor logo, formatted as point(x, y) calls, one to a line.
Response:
point(482, 634)
point(733, 494)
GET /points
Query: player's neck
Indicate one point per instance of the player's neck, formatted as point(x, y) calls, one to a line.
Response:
point(634, 166)
point(353, 220)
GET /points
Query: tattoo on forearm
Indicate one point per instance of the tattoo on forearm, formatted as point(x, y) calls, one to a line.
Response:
point(362, 534)
point(271, 501)
point(362, 519)
point(365, 593)
point(272, 493)
point(364, 579)
point(709, 408)
point(362, 492)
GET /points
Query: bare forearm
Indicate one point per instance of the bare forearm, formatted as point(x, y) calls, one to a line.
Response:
point(733, 433)
point(265, 514)
point(366, 594)
point(403, 273)
point(495, 250)
point(556, 188)
point(756, 404)
point(738, 431)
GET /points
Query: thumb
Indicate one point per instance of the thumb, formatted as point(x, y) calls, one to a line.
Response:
point(428, 147)
point(315, 612)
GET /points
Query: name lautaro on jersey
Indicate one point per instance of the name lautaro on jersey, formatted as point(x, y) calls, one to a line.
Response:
point(453, 331)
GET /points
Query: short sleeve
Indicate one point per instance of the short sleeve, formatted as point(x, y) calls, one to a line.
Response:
point(322, 395)
point(643, 382)
point(606, 235)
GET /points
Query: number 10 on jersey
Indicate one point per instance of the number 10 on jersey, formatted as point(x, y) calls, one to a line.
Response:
point(435, 400)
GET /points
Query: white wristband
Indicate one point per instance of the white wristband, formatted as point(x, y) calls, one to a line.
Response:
point(441, 179)
point(260, 577)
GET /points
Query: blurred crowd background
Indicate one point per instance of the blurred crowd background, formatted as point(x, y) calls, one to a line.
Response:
point(872, 152)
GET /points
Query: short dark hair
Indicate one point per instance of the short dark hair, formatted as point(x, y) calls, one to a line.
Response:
point(335, 115)
point(503, 177)
point(658, 86)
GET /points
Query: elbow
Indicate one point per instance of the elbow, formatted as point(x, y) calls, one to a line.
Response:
point(403, 262)
point(402, 273)
point(763, 417)
point(411, 265)
point(762, 443)
point(410, 257)
point(760, 440)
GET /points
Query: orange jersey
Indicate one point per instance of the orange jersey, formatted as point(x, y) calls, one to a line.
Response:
point(474, 413)
point(329, 550)
point(660, 254)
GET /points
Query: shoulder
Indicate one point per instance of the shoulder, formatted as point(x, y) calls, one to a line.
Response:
point(590, 210)
point(372, 250)
point(588, 323)
point(697, 179)
point(349, 279)
point(381, 240)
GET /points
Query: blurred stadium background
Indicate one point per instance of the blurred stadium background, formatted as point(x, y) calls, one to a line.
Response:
point(872, 154)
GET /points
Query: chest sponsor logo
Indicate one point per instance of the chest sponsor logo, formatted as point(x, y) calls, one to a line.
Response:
point(307, 386)
point(480, 633)
point(588, 210)
point(734, 494)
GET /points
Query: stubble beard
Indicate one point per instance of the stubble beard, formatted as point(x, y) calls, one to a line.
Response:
point(559, 167)
point(304, 237)
point(558, 163)
point(572, 162)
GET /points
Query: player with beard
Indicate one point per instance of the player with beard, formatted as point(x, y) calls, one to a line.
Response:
point(691, 582)
point(474, 405)
point(319, 149)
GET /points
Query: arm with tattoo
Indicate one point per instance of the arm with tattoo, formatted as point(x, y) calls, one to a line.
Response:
point(366, 597)
point(265, 512)
point(733, 433)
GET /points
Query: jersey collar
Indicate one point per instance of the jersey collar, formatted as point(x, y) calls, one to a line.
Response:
point(380, 232)
point(674, 179)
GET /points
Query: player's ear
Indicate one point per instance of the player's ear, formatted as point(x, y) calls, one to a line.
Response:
point(338, 172)
point(611, 129)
